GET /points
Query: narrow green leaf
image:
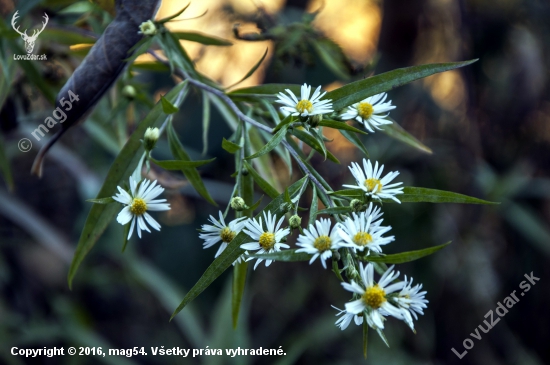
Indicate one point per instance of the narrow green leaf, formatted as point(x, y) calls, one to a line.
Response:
point(285, 122)
point(255, 206)
point(313, 210)
point(383, 336)
point(351, 193)
point(313, 143)
point(230, 146)
point(394, 130)
point(107, 200)
point(231, 253)
point(353, 138)
point(336, 210)
point(340, 125)
point(318, 135)
point(263, 184)
point(205, 121)
point(332, 56)
point(359, 90)
point(423, 195)
point(190, 173)
point(403, 257)
point(180, 164)
point(277, 138)
point(5, 166)
point(252, 70)
point(284, 255)
point(239, 281)
point(101, 215)
point(263, 91)
point(168, 107)
point(164, 20)
point(201, 38)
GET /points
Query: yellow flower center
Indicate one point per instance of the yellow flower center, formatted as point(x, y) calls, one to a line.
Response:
point(138, 206)
point(304, 105)
point(227, 235)
point(322, 243)
point(372, 184)
point(362, 238)
point(365, 110)
point(374, 297)
point(267, 240)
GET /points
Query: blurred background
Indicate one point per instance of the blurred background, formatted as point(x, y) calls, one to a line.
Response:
point(488, 126)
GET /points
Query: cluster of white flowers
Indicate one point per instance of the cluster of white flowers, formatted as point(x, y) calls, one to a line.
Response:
point(360, 234)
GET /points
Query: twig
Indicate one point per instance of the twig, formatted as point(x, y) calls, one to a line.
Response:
point(245, 118)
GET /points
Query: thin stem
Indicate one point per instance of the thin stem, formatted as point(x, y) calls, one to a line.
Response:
point(245, 118)
point(306, 171)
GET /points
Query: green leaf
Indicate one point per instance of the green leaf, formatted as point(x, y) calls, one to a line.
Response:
point(180, 164)
point(284, 255)
point(230, 146)
point(359, 90)
point(125, 233)
point(285, 122)
point(423, 195)
point(340, 125)
point(394, 130)
point(205, 121)
point(263, 91)
point(351, 193)
point(168, 107)
point(252, 70)
point(167, 19)
point(190, 173)
point(353, 138)
point(107, 200)
point(239, 281)
point(264, 185)
point(5, 166)
point(202, 38)
point(313, 143)
point(101, 215)
point(336, 210)
point(277, 138)
point(231, 253)
point(332, 56)
point(400, 258)
point(313, 210)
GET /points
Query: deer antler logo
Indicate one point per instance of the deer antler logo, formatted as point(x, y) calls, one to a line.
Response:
point(29, 40)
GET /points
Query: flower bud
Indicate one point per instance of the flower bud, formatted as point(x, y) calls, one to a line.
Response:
point(238, 204)
point(356, 205)
point(295, 221)
point(148, 28)
point(129, 91)
point(150, 138)
point(314, 120)
point(285, 207)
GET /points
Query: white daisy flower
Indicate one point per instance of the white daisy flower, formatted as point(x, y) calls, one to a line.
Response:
point(411, 301)
point(319, 241)
point(265, 240)
point(369, 112)
point(344, 321)
point(370, 182)
point(306, 106)
point(374, 296)
point(363, 231)
point(220, 231)
point(138, 201)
